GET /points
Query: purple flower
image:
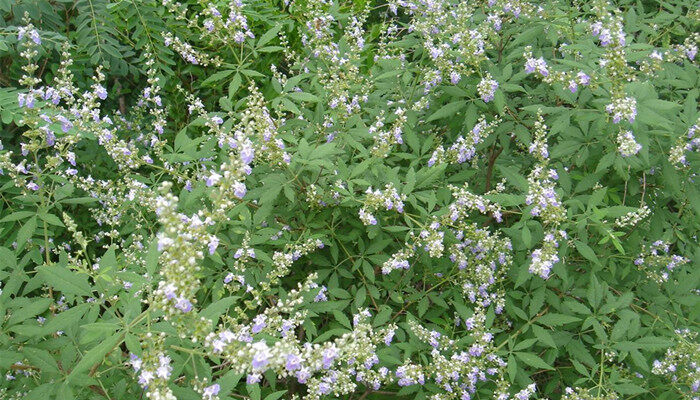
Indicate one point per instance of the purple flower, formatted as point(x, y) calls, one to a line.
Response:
point(321, 296)
point(324, 388)
point(583, 79)
point(34, 35)
point(487, 89)
point(605, 37)
point(50, 137)
point(26, 100)
point(101, 92)
point(434, 336)
point(164, 369)
point(145, 377)
point(293, 362)
point(259, 323)
point(329, 355)
point(239, 189)
point(530, 66)
point(302, 375)
point(211, 391)
point(253, 379)
point(389, 337)
point(213, 179)
point(536, 64)
point(66, 125)
point(168, 290)
point(213, 244)
point(135, 361)
point(183, 305)
point(262, 355)
point(247, 154)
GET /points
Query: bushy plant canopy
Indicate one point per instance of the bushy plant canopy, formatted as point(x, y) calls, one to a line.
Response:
point(315, 199)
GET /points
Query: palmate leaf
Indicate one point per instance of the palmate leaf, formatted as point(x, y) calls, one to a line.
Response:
point(532, 360)
point(65, 280)
point(72, 311)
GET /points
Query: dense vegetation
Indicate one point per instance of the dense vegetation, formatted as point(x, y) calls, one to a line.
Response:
point(412, 199)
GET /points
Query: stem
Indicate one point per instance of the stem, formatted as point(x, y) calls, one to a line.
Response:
point(600, 380)
point(516, 333)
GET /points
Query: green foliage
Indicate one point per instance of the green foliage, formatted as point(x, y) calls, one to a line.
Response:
point(82, 255)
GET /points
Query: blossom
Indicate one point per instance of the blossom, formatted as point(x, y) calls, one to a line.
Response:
point(213, 244)
point(622, 108)
point(213, 179)
point(536, 64)
point(239, 189)
point(329, 354)
point(101, 92)
point(487, 88)
point(210, 392)
point(66, 124)
point(247, 153)
point(183, 305)
point(29, 32)
point(321, 296)
point(261, 355)
point(583, 79)
point(689, 142)
point(259, 323)
point(253, 378)
point(145, 377)
point(389, 198)
point(626, 144)
point(389, 337)
point(367, 218)
point(135, 362)
point(26, 99)
point(293, 362)
point(542, 262)
point(464, 147)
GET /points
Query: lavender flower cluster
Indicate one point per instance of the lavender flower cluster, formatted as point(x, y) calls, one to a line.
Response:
point(238, 279)
point(681, 363)
point(545, 202)
point(657, 261)
point(389, 199)
point(688, 143)
point(464, 148)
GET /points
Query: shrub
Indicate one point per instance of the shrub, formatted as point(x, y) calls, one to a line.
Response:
point(313, 199)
